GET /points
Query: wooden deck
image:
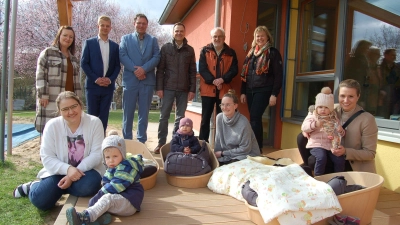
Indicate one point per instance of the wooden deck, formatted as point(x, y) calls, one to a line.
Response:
point(169, 205)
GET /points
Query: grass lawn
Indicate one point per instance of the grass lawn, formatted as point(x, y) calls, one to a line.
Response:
point(21, 211)
point(18, 211)
point(115, 117)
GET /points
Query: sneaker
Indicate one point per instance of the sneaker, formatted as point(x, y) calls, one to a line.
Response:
point(72, 217)
point(352, 220)
point(22, 190)
point(338, 220)
point(102, 220)
point(157, 149)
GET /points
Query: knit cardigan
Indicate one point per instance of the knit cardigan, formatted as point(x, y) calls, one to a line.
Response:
point(235, 138)
point(54, 147)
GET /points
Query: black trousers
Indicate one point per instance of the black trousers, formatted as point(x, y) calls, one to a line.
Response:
point(207, 108)
point(257, 102)
point(309, 159)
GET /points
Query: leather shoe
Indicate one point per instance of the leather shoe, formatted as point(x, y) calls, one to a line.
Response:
point(157, 149)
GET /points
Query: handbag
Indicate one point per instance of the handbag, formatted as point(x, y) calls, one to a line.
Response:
point(181, 164)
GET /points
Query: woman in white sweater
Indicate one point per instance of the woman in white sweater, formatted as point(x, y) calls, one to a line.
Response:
point(71, 155)
point(234, 138)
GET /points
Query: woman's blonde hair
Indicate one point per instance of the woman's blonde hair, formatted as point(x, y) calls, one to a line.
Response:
point(65, 95)
point(232, 94)
point(262, 29)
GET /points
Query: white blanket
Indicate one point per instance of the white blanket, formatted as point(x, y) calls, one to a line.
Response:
point(286, 193)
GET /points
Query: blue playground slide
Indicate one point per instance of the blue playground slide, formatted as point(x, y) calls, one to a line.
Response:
point(21, 133)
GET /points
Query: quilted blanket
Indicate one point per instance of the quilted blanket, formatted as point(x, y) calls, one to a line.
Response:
point(286, 193)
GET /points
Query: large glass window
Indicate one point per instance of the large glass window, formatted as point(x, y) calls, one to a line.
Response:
point(316, 52)
point(305, 95)
point(372, 47)
point(318, 35)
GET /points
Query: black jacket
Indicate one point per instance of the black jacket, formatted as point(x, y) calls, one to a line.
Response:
point(272, 80)
point(179, 141)
point(177, 68)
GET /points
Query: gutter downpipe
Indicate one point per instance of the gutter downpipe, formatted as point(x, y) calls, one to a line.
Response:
point(286, 46)
point(3, 77)
point(217, 23)
point(11, 69)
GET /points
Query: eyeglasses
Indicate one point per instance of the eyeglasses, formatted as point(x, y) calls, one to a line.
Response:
point(225, 105)
point(72, 107)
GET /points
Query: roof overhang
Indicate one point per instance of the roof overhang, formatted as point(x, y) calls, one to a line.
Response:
point(176, 11)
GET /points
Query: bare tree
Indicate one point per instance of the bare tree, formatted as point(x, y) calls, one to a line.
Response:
point(38, 22)
point(387, 37)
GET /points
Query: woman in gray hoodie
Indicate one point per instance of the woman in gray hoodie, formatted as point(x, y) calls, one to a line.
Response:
point(234, 138)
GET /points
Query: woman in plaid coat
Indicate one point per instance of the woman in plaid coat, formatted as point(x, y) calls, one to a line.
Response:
point(57, 71)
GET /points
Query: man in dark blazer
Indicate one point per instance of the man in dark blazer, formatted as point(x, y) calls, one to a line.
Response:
point(100, 62)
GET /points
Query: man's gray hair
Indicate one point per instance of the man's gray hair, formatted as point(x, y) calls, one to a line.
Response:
point(217, 29)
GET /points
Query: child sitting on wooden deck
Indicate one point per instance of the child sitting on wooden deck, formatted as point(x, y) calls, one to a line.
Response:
point(121, 194)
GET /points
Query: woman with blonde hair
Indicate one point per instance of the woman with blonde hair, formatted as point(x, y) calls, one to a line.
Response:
point(261, 79)
point(234, 138)
point(57, 71)
point(71, 155)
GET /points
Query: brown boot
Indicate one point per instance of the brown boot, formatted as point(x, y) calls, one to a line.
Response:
point(157, 149)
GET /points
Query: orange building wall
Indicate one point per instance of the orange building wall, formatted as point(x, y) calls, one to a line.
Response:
point(200, 22)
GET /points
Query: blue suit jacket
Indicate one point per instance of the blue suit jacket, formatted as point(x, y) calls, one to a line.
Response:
point(92, 64)
point(131, 56)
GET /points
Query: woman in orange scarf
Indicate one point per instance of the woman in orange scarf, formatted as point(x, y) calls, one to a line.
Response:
point(261, 79)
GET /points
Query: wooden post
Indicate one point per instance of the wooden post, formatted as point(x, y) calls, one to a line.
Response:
point(65, 12)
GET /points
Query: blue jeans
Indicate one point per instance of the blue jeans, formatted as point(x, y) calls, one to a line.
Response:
point(143, 94)
point(181, 98)
point(46, 193)
point(321, 156)
point(257, 102)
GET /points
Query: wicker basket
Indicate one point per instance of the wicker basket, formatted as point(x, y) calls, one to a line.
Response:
point(359, 203)
point(136, 147)
point(292, 153)
point(192, 181)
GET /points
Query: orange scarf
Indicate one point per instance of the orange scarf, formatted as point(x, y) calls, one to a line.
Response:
point(262, 61)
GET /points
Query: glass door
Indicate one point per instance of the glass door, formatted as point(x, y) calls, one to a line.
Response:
point(268, 15)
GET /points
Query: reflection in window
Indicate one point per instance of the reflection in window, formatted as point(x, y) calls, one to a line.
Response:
point(267, 14)
point(371, 61)
point(317, 49)
point(306, 92)
point(197, 96)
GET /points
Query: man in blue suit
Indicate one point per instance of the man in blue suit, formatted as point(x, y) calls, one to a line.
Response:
point(139, 53)
point(100, 62)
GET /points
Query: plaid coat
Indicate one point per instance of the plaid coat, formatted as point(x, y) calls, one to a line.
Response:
point(51, 75)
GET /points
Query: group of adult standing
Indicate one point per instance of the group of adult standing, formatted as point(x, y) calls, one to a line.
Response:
point(174, 81)
point(218, 65)
point(70, 149)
